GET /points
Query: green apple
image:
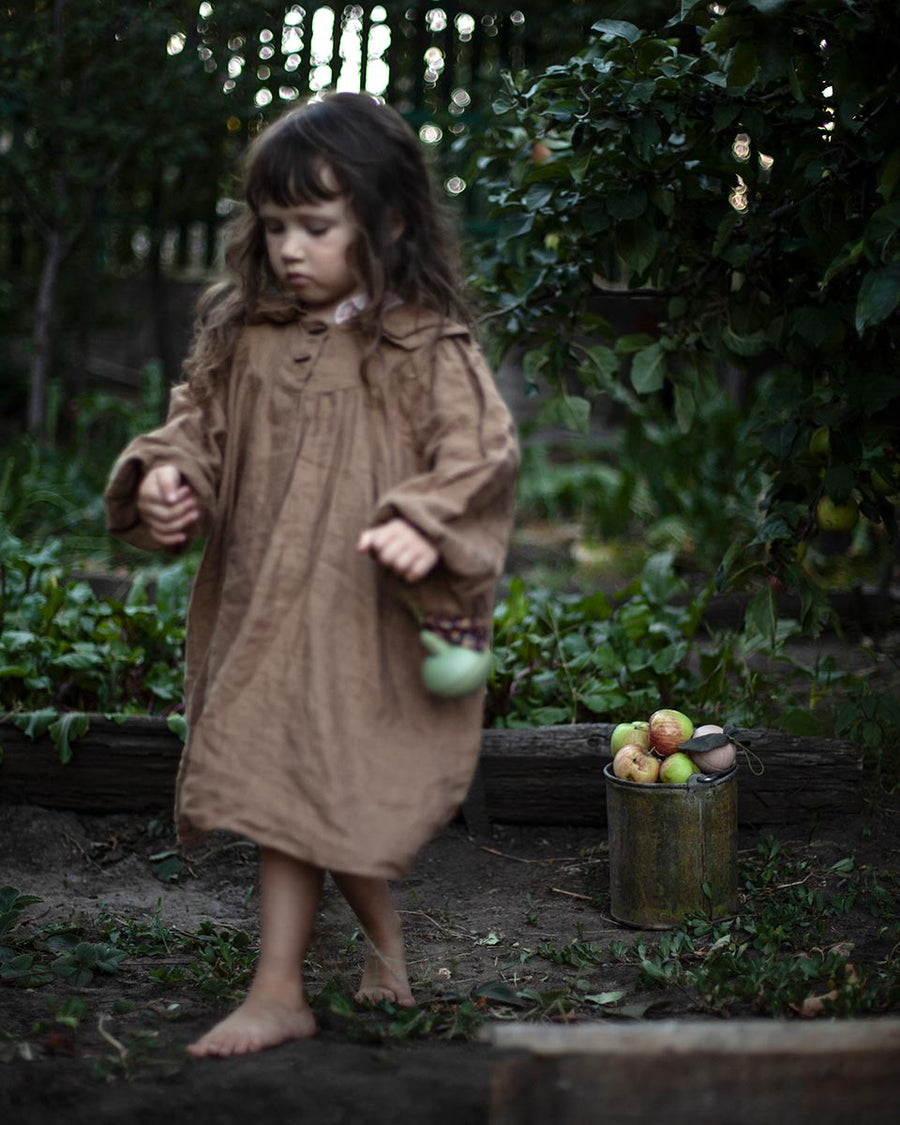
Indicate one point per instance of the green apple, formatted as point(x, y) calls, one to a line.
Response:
point(836, 517)
point(636, 733)
point(676, 769)
point(820, 444)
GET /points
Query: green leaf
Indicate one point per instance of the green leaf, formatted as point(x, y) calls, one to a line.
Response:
point(878, 296)
point(889, 175)
point(538, 196)
point(648, 369)
point(570, 411)
point(636, 244)
point(761, 615)
point(500, 993)
point(743, 65)
point(658, 579)
point(64, 730)
point(177, 724)
point(685, 407)
point(848, 256)
point(627, 203)
point(645, 136)
point(12, 904)
point(881, 230)
point(605, 362)
point(768, 7)
point(617, 29)
point(752, 344)
point(35, 723)
point(600, 998)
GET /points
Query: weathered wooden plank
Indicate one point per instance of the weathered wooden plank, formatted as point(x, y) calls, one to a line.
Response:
point(129, 767)
point(697, 1073)
point(545, 775)
point(556, 773)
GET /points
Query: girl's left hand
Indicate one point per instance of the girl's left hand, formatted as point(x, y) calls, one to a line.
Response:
point(398, 546)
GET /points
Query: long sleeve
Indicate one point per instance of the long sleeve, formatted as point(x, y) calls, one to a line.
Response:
point(192, 439)
point(463, 499)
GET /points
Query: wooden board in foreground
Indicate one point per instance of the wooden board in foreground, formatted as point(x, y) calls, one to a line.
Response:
point(708, 1072)
point(543, 775)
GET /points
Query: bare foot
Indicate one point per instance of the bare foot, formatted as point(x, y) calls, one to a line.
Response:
point(257, 1024)
point(384, 974)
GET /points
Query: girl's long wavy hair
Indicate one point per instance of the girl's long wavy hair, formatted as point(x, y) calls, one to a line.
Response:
point(404, 245)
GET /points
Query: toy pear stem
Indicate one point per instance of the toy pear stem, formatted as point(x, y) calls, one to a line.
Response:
point(404, 596)
point(434, 643)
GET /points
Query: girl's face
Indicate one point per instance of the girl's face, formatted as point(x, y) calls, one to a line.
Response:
point(309, 249)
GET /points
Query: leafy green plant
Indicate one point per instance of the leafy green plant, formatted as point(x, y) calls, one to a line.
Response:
point(724, 187)
point(576, 658)
point(65, 652)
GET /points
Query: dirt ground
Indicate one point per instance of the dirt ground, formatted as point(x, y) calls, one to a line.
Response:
point(478, 913)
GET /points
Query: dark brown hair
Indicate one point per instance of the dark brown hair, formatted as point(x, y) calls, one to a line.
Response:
point(404, 244)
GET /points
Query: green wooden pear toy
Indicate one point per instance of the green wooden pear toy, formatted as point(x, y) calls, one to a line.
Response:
point(453, 670)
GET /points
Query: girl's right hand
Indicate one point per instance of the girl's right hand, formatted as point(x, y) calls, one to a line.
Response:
point(167, 505)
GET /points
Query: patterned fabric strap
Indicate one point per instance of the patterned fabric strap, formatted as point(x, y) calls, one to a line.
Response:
point(469, 632)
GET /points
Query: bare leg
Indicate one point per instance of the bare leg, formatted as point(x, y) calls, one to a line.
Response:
point(275, 1009)
point(384, 975)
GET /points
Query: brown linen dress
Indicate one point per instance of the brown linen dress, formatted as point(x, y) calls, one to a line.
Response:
point(310, 730)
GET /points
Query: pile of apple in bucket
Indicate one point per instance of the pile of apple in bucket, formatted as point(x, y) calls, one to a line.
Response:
point(668, 748)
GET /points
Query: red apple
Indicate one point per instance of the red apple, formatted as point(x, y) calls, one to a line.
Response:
point(633, 763)
point(635, 733)
point(718, 760)
point(676, 769)
point(668, 729)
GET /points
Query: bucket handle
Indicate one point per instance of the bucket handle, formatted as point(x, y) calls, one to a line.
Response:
point(698, 780)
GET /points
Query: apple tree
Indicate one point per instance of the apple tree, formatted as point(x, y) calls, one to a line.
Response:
point(736, 170)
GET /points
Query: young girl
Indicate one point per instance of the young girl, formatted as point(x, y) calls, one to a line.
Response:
point(341, 445)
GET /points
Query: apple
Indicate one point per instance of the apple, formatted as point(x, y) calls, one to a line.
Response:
point(836, 517)
point(820, 443)
point(633, 763)
point(635, 733)
point(676, 769)
point(540, 151)
point(718, 760)
point(668, 729)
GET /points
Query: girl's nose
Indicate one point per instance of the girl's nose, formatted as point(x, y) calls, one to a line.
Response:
point(293, 246)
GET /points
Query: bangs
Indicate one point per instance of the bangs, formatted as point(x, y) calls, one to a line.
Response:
point(289, 172)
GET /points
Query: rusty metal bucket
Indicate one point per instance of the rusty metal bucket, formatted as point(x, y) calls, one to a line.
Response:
point(672, 849)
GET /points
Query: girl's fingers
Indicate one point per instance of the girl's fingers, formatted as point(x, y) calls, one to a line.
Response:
point(398, 546)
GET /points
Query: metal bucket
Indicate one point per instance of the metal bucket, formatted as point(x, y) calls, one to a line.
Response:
point(672, 849)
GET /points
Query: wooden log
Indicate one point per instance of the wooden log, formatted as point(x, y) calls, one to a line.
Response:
point(697, 1073)
point(554, 775)
point(542, 775)
point(115, 767)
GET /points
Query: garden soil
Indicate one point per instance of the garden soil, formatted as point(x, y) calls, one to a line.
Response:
point(489, 920)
